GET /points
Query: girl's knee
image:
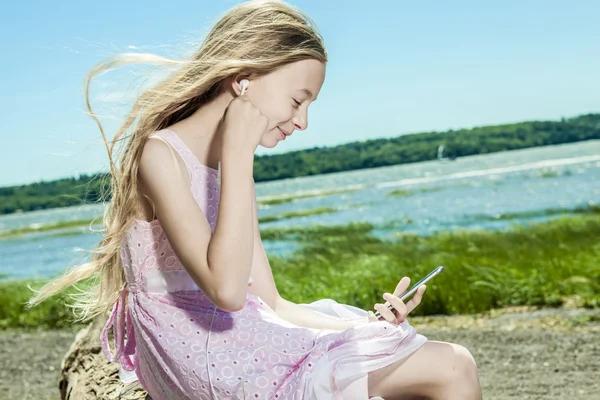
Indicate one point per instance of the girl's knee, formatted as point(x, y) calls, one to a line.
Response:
point(456, 364)
point(465, 372)
point(464, 360)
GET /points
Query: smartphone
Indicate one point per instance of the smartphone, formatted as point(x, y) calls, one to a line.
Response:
point(414, 288)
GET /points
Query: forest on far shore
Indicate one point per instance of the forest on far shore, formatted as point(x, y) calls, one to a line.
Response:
point(372, 153)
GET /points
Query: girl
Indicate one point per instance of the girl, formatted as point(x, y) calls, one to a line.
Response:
point(196, 314)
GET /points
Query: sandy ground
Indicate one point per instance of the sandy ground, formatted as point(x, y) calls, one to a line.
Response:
point(521, 354)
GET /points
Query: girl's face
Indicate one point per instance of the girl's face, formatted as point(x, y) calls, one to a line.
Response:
point(283, 96)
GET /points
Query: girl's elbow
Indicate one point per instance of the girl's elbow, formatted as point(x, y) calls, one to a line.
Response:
point(231, 302)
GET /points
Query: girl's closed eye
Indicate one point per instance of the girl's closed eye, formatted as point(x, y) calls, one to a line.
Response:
point(296, 103)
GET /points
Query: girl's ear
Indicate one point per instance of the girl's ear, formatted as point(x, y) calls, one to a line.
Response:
point(236, 83)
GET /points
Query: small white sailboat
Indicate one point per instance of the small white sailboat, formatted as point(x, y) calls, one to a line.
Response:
point(440, 152)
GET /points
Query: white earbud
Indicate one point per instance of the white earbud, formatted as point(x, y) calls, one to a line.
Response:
point(244, 83)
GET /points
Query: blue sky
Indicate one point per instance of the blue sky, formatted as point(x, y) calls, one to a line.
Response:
point(395, 67)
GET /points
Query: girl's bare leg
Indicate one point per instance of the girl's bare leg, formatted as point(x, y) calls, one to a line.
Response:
point(438, 370)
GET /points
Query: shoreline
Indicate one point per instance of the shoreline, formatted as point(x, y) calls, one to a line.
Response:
point(554, 263)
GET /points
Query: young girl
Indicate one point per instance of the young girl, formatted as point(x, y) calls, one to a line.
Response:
point(195, 310)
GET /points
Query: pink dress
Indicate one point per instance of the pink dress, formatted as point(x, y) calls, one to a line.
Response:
point(181, 346)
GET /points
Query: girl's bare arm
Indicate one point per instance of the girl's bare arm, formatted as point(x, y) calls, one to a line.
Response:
point(218, 263)
point(231, 247)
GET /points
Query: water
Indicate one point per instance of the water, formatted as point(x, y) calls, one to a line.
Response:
point(441, 195)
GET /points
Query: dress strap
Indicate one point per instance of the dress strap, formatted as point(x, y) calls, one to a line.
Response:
point(175, 142)
point(120, 321)
point(189, 158)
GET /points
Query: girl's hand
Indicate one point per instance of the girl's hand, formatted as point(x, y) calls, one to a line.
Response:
point(242, 127)
point(398, 314)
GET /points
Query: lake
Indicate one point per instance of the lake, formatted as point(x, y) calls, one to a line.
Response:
point(490, 191)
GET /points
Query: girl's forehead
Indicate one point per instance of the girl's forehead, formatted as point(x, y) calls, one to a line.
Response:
point(306, 76)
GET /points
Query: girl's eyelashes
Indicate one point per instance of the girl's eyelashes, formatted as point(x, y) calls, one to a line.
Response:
point(296, 103)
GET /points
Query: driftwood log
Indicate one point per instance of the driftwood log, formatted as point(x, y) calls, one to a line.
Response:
point(87, 374)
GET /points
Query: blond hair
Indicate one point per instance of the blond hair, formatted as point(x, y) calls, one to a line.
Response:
point(252, 38)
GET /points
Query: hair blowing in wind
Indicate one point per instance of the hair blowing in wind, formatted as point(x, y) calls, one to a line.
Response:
point(252, 38)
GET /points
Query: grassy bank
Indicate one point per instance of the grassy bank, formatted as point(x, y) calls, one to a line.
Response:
point(51, 227)
point(547, 264)
point(51, 314)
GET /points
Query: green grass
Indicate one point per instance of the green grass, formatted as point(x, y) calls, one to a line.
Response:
point(51, 314)
point(315, 232)
point(295, 214)
point(589, 209)
point(546, 264)
point(305, 213)
point(548, 174)
point(61, 226)
point(408, 193)
point(400, 193)
point(273, 200)
point(49, 227)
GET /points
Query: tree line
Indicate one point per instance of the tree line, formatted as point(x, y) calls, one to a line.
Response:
point(373, 153)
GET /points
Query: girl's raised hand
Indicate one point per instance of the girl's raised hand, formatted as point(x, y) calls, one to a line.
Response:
point(400, 311)
point(242, 127)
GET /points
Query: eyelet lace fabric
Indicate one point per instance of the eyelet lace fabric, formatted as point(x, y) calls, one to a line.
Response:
point(171, 337)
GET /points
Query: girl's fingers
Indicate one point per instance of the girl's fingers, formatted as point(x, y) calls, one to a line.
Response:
point(402, 286)
point(416, 299)
point(400, 310)
point(399, 306)
point(372, 317)
point(385, 312)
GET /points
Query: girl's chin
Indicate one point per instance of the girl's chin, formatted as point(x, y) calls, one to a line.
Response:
point(269, 142)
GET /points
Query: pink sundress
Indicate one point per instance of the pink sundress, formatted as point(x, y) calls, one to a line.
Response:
point(181, 346)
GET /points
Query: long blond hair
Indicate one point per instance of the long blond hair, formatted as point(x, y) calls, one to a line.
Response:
point(255, 38)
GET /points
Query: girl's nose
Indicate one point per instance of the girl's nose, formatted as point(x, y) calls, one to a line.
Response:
point(300, 123)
